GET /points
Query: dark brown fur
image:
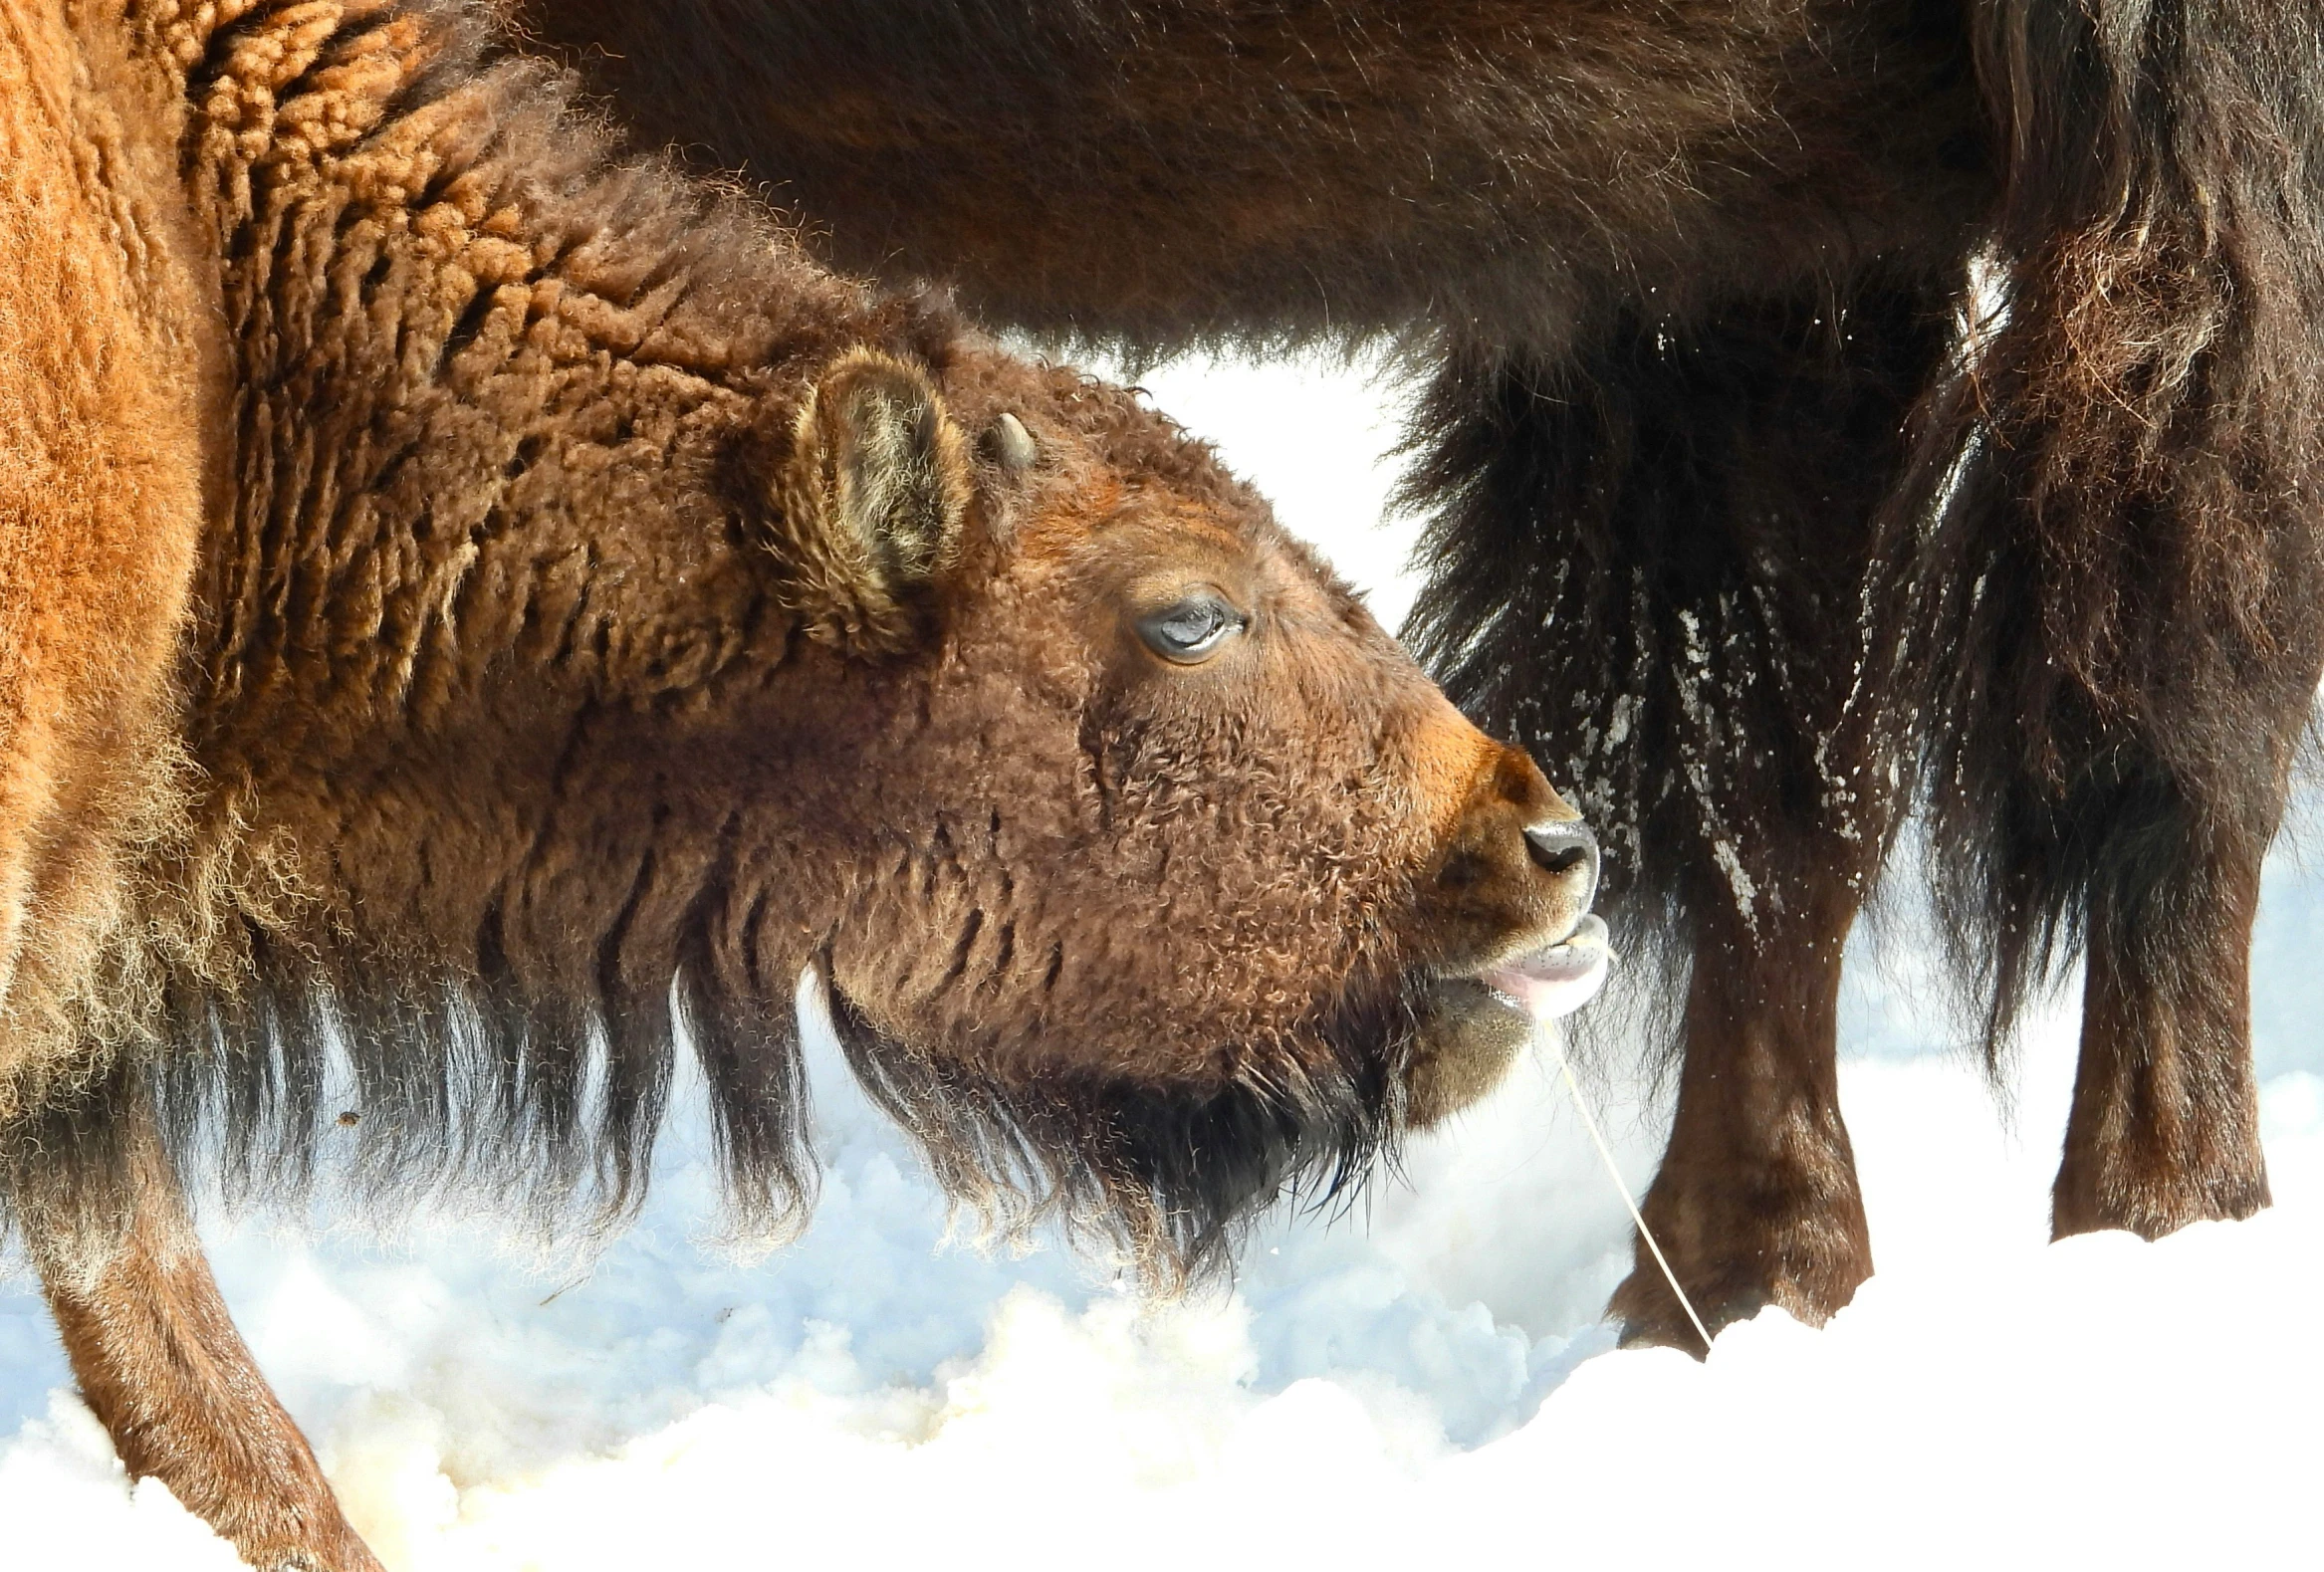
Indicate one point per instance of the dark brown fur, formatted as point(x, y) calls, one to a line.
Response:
point(589, 613)
point(1743, 516)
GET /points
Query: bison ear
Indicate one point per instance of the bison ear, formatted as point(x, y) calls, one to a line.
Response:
point(869, 504)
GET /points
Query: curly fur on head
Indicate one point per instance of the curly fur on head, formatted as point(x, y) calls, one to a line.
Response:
point(605, 612)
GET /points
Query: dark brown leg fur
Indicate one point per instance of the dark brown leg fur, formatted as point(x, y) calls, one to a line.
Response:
point(2165, 1128)
point(2127, 576)
point(160, 1363)
point(1757, 1201)
point(1654, 568)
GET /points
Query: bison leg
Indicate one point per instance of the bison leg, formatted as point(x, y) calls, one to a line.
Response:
point(2158, 873)
point(1655, 566)
point(2131, 573)
point(2164, 1126)
point(156, 1355)
point(1757, 1201)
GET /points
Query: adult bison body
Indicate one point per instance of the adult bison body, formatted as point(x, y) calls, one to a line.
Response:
point(1830, 397)
point(487, 607)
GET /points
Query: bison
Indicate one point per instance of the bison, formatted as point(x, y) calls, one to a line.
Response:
point(1837, 406)
point(478, 613)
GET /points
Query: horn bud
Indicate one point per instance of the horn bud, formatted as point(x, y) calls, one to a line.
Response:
point(1010, 445)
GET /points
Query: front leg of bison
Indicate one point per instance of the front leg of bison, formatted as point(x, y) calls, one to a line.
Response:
point(1756, 1202)
point(154, 1351)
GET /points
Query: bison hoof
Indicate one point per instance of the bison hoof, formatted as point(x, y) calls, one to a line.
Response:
point(1650, 1315)
point(1655, 1320)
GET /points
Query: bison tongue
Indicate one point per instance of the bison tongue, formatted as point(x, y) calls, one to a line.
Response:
point(1559, 979)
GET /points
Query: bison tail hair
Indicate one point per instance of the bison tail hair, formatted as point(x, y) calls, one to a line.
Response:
point(2113, 517)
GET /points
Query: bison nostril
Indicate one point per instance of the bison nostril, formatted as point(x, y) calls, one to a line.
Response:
point(1562, 860)
point(1565, 847)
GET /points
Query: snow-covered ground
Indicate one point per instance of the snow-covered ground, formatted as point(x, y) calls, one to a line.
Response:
point(1421, 1382)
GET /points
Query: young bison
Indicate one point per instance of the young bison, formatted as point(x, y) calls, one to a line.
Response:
point(1733, 519)
point(487, 606)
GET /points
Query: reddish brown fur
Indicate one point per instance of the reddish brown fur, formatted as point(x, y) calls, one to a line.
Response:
point(1732, 521)
point(595, 603)
point(159, 1362)
point(101, 398)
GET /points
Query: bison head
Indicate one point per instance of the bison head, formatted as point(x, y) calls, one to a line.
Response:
point(1150, 872)
point(1144, 872)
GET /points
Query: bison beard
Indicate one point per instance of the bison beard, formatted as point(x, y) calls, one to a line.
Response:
point(1167, 1176)
point(1746, 511)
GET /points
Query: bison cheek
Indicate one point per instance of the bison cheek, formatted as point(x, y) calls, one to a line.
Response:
point(1467, 1038)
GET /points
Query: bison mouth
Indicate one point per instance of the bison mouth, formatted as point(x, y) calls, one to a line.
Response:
point(1472, 1025)
point(1554, 980)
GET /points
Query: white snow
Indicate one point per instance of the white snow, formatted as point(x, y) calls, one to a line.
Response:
point(1418, 1383)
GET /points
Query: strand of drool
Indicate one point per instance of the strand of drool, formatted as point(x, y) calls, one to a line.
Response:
point(1582, 1107)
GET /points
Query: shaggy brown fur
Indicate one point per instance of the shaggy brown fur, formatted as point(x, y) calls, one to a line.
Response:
point(102, 402)
point(1736, 519)
point(600, 613)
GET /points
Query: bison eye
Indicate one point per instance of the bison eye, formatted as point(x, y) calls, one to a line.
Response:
point(1191, 631)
